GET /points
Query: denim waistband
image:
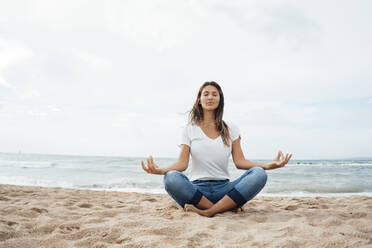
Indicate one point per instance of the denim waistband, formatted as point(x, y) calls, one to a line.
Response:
point(201, 181)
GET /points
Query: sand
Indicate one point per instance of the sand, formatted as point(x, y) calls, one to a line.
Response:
point(55, 217)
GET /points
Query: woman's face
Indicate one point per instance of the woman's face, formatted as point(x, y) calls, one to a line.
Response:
point(210, 98)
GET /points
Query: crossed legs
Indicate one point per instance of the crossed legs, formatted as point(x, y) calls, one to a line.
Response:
point(242, 190)
point(225, 204)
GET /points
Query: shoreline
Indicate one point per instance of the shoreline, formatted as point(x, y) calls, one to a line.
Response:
point(34, 216)
point(163, 192)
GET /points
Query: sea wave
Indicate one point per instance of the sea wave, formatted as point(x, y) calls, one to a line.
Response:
point(317, 188)
point(27, 164)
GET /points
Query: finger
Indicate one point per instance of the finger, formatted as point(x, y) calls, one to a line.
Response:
point(153, 164)
point(144, 167)
point(285, 158)
point(282, 163)
point(289, 157)
point(149, 165)
point(281, 155)
point(285, 161)
point(278, 156)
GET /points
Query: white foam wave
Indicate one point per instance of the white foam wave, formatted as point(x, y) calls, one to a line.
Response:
point(331, 164)
point(25, 181)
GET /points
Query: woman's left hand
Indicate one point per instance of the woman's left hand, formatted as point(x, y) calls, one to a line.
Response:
point(279, 161)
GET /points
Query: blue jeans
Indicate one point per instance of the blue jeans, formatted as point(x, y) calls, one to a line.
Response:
point(240, 190)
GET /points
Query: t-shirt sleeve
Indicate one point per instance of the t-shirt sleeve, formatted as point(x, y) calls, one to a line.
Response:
point(185, 138)
point(234, 132)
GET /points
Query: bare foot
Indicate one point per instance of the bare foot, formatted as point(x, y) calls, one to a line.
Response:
point(236, 209)
point(192, 208)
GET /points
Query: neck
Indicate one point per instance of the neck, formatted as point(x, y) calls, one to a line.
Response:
point(208, 118)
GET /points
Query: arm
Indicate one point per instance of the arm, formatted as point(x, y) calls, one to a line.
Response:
point(239, 159)
point(180, 165)
point(182, 162)
point(241, 163)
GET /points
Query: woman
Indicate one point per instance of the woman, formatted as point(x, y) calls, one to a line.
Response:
point(211, 141)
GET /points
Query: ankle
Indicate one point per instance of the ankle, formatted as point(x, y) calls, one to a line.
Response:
point(208, 213)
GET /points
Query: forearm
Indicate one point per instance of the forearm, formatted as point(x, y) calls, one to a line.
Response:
point(178, 166)
point(247, 164)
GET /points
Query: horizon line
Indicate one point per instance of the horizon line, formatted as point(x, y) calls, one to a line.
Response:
point(164, 157)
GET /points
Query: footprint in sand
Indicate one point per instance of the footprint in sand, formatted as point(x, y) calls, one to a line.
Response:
point(235, 227)
point(287, 230)
point(134, 209)
point(67, 228)
point(332, 221)
point(85, 205)
point(108, 214)
point(150, 199)
point(28, 191)
point(291, 207)
point(123, 239)
point(2, 198)
point(9, 223)
point(174, 231)
point(358, 215)
point(47, 228)
point(197, 239)
point(259, 219)
point(40, 210)
point(213, 227)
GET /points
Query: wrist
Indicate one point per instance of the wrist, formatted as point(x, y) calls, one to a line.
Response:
point(266, 166)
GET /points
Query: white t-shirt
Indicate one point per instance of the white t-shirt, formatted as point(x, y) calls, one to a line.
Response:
point(210, 157)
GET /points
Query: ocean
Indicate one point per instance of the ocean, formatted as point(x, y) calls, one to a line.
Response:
point(297, 178)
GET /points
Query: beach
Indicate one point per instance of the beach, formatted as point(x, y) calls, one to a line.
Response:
point(33, 216)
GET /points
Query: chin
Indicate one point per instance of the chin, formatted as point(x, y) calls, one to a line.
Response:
point(209, 108)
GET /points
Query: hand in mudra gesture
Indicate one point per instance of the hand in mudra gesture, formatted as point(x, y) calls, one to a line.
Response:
point(279, 161)
point(152, 168)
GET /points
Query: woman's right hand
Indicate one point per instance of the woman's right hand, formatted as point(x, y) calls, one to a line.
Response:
point(152, 168)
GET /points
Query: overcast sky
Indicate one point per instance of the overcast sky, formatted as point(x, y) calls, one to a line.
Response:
point(114, 77)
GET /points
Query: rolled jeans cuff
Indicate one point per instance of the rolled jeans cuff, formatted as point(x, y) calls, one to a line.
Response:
point(237, 197)
point(196, 198)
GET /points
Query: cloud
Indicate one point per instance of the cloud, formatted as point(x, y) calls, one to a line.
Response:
point(95, 60)
point(39, 114)
point(11, 53)
point(27, 94)
point(4, 83)
point(54, 109)
point(158, 24)
point(116, 69)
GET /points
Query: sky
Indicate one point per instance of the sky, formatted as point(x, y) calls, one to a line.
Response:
point(116, 78)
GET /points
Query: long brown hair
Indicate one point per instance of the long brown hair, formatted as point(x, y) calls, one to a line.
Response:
point(196, 113)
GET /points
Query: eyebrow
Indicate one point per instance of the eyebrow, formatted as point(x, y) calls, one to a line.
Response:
point(208, 91)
